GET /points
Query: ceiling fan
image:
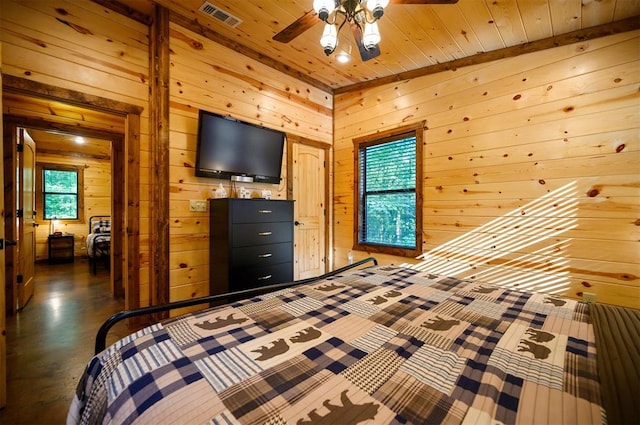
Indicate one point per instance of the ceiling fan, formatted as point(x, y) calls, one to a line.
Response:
point(360, 15)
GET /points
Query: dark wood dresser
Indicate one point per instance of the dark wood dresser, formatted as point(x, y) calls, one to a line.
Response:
point(251, 243)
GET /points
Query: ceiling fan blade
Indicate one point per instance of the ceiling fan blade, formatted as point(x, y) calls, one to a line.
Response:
point(423, 1)
point(365, 53)
point(298, 26)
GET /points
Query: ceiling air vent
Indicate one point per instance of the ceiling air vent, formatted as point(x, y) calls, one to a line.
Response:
point(220, 15)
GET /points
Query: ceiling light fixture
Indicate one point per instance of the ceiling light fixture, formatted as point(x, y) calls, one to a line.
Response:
point(364, 14)
point(343, 57)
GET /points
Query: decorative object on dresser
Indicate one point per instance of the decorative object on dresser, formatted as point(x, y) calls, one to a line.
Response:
point(60, 248)
point(251, 243)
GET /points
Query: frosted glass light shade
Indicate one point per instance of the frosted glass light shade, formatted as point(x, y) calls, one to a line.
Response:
point(329, 38)
point(371, 35)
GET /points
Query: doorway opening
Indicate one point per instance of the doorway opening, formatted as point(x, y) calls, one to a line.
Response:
point(49, 109)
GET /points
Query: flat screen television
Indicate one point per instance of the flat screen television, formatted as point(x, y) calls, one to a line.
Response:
point(232, 149)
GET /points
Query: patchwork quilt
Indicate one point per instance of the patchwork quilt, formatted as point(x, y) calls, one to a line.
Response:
point(382, 345)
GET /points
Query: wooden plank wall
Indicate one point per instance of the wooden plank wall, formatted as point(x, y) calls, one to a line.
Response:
point(205, 75)
point(81, 46)
point(97, 201)
point(530, 167)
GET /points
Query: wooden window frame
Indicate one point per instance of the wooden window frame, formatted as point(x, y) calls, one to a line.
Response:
point(416, 130)
point(40, 167)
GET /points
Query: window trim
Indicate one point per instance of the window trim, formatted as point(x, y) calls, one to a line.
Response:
point(40, 167)
point(413, 130)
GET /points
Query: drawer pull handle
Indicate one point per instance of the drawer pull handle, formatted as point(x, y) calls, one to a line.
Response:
point(265, 211)
point(265, 277)
point(267, 255)
point(265, 233)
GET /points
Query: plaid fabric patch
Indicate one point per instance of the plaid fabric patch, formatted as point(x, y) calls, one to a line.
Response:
point(487, 309)
point(398, 312)
point(416, 402)
point(373, 370)
point(152, 387)
point(300, 306)
point(130, 339)
point(212, 345)
point(260, 397)
point(513, 300)
point(227, 368)
point(449, 284)
point(250, 308)
point(323, 315)
point(580, 377)
point(182, 333)
point(435, 367)
point(95, 378)
point(334, 355)
point(403, 345)
point(135, 366)
point(343, 297)
point(414, 302)
point(527, 368)
point(477, 381)
point(224, 418)
point(273, 319)
point(374, 339)
point(360, 308)
point(448, 308)
point(476, 343)
point(434, 339)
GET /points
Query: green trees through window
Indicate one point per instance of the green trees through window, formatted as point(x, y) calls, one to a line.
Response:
point(388, 191)
point(60, 194)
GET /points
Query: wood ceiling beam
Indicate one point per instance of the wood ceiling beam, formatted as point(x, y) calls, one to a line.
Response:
point(624, 25)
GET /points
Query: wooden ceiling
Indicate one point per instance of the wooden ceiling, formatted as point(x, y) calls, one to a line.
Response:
point(416, 39)
point(54, 143)
point(54, 125)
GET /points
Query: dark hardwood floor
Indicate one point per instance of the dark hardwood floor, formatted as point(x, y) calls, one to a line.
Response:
point(50, 341)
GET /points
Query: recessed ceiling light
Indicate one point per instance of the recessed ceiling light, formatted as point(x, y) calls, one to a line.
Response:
point(79, 140)
point(343, 57)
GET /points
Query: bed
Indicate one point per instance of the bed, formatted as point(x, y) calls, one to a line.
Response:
point(380, 345)
point(99, 241)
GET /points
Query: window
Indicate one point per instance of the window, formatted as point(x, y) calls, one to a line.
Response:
point(61, 192)
point(389, 192)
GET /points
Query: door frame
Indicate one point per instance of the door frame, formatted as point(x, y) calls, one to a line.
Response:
point(125, 165)
point(328, 235)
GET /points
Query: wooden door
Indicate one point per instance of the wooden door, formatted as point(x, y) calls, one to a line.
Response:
point(10, 162)
point(26, 220)
point(309, 194)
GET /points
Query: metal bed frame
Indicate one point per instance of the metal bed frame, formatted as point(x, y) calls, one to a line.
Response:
point(102, 246)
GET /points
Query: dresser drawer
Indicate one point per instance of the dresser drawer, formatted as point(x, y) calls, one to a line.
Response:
point(261, 233)
point(262, 255)
point(259, 211)
point(254, 277)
